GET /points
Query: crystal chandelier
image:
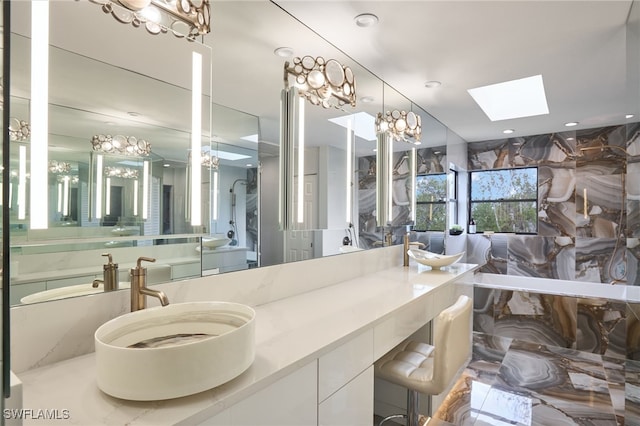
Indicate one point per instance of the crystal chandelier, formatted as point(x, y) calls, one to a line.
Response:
point(59, 167)
point(401, 125)
point(183, 18)
point(326, 83)
point(122, 145)
point(19, 130)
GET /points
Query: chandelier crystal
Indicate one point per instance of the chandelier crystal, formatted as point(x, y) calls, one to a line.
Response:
point(19, 130)
point(121, 145)
point(121, 172)
point(326, 83)
point(59, 167)
point(401, 125)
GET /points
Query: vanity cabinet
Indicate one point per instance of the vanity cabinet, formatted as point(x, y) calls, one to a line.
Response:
point(290, 401)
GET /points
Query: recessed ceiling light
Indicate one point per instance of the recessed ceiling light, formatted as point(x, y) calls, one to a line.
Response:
point(508, 131)
point(367, 99)
point(166, 165)
point(133, 114)
point(110, 123)
point(512, 99)
point(628, 116)
point(569, 139)
point(366, 20)
point(571, 124)
point(432, 83)
point(283, 52)
point(249, 165)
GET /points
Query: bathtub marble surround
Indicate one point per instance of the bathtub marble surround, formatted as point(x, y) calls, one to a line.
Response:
point(509, 381)
point(597, 245)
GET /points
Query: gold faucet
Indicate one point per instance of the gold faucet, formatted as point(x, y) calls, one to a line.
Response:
point(109, 275)
point(139, 289)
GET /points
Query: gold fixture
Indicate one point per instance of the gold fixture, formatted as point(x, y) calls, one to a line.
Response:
point(183, 18)
point(401, 125)
point(123, 145)
point(139, 289)
point(110, 275)
point(326, 83)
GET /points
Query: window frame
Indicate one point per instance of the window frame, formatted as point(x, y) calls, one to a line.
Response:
point(471, 202)
point(442, 202)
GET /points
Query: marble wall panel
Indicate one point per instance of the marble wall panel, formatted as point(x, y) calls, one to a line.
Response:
point(556, 201)
point(483, 314)
point(633, 200)
point(601, 149)
point(602, 327)
point(633, 143)
point(488, 155)
point(600, 260)
point(633, 259)
point(545, 257)
point(535, 317)
point(490, 251)
point(632, 393)
point(556, 149)
point(633, 331)
point(605, 203)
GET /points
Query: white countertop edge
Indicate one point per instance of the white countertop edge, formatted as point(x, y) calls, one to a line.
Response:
point(70, 384)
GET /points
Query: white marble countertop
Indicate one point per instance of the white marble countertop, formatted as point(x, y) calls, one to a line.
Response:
point(289, 333)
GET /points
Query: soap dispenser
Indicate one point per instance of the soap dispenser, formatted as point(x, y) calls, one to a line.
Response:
point(109, 275)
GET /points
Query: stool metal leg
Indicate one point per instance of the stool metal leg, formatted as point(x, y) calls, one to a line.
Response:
point(412, 408)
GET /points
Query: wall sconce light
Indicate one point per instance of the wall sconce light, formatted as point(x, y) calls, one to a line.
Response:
point(321, 82)
point(401, 125)
point(188, 18)
point(326, 83)
point(121, 145)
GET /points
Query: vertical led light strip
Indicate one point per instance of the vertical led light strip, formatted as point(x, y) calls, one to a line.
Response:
point(300, 189)
point(65, 204)
point(107, 197)
point(390, 179)
point(412, 189)
point(39, 113)
point(215, 195)
point(135, 197)
point(98, 186)
point(196, 138)
point(349, 171)
point(59, 197)
point(22, 182)
point(145, 189)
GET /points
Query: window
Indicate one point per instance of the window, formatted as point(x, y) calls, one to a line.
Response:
point(431, 206)
point(505, 200)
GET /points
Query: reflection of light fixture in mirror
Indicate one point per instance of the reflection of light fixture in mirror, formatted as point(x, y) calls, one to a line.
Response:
point(349, 183)
point(121, 145)
point(145, 189)
point(412, 184)
point(99, 174)
point(384, 179)
point(188, 18)
point(210, 161)
point(300, 186)
point(39, 210)
point(121, 172)
point(59, 167)
point(196, 138)
point(135, 197)
point(216, 195)
point(401, 125)
point(326, 83)
point(585, 207)
point(19, 130)
point(107, 196)
point(22, 181)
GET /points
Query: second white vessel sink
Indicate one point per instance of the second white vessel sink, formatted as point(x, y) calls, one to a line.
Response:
point(176, 350)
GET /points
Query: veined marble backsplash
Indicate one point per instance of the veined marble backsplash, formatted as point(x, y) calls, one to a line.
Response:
point(598, 245)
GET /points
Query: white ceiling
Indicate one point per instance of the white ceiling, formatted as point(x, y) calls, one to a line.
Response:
point(579, 47)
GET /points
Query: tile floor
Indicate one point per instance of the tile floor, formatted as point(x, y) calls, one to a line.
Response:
point(511, 382)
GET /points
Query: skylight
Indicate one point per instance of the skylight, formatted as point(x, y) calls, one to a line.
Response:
point(512, 99)
point(363, 124)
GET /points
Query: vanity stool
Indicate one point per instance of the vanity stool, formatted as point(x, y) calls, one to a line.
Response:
point(423, 368)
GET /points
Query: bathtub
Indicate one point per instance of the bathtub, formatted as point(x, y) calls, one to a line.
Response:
point(560, 287)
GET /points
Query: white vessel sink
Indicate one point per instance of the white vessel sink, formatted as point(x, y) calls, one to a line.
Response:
point(436, 261)
point(64, 292)
point(175, 350)
point(214, 242)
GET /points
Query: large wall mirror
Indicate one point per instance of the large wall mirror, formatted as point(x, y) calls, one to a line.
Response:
point(100, 89)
